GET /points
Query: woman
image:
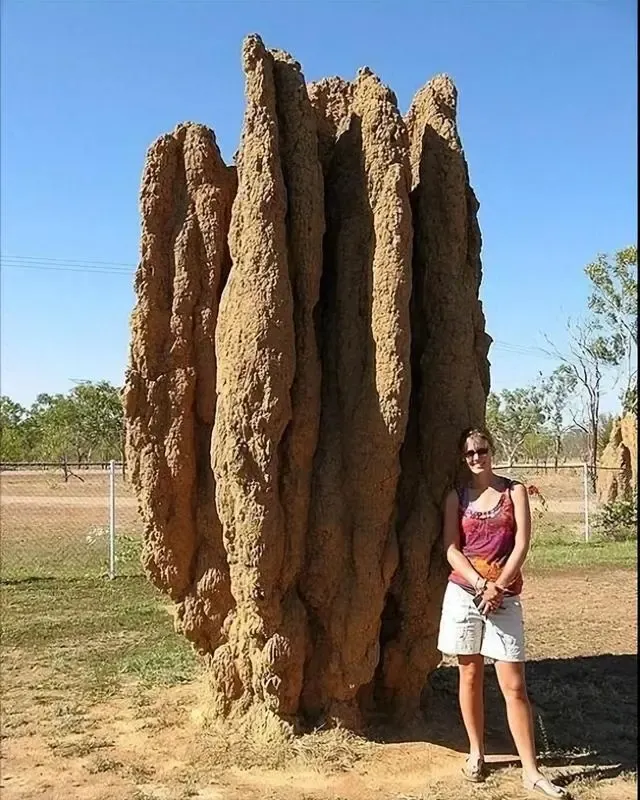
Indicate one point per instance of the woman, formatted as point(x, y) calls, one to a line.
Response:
point(487, 528)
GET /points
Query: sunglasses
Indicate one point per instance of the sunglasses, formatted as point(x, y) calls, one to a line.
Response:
point(481, 451)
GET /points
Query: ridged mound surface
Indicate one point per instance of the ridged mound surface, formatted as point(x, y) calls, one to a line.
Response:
point(618, 476)
point(307, 345)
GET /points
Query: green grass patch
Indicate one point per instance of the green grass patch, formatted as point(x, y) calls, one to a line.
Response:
point(556, 546)
point(567, 555)
point(66, 550)
point(160, 667)
point(92, 635)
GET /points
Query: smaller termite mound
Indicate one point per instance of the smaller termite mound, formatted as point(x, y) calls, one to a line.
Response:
point(618, 476)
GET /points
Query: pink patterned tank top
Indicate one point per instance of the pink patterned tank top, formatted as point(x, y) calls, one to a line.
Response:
point(487, 539)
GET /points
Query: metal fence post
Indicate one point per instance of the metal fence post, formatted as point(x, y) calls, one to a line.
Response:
point(585, 480)
point(112, 520)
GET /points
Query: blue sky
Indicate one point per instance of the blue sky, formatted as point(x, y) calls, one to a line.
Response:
point(548, 110)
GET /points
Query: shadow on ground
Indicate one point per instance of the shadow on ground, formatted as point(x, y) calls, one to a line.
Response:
point(585, 712)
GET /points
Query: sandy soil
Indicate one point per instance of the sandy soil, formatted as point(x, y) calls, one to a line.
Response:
point(158, 743)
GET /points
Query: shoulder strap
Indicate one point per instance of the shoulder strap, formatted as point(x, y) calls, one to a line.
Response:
point(509, 484)
point(463, 496)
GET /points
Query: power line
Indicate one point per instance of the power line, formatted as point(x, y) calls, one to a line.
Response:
point(98, 267)
point(71, 265)
point(86, 271)
point(522, 350)
point(66, 261)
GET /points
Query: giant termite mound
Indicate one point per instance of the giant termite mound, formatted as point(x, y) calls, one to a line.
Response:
point(307, 345)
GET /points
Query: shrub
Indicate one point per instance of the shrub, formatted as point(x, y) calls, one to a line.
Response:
point(618, 521)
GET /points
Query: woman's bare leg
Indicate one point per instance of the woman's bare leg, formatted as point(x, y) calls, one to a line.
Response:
point(513, 686)
point(471, 696)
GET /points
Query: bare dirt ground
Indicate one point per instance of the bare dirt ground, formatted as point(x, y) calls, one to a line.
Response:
point(60, 527)
point(153, 743)
point(48, 488)
point(73, 502)
point(563, 491)
point(562, 506)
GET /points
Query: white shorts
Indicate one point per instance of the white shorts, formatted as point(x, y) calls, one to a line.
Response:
point(464, 631)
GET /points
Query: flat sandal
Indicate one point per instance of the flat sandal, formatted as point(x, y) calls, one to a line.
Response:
point(545, 787)
point(473, 771)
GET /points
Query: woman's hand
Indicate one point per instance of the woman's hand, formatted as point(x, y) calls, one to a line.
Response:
point(491, 598)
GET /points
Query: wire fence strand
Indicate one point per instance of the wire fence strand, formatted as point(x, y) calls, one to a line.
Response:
point(57, 525)
point(83, 521)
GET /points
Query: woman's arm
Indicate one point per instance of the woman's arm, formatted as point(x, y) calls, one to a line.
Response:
point(522, 513)
point(458, 561)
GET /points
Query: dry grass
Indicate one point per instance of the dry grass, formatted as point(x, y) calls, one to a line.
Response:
point(55, 529)
point(83, 482)
point(261, 740)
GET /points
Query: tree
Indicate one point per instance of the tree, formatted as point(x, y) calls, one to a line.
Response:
point(575, 444)
point(85, 424)
point(613, 302)
point(13, 431)
point(537, 447)
point(604, 431)
point(98, 409)
point(557, 389)
point(512, 415)
point(55, 420)
point(585, 363)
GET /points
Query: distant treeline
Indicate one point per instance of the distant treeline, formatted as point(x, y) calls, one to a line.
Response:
point(85, 425)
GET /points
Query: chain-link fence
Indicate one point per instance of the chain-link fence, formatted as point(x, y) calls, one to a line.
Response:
point(68, 522)
point(84, 521)
point(565, 500)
